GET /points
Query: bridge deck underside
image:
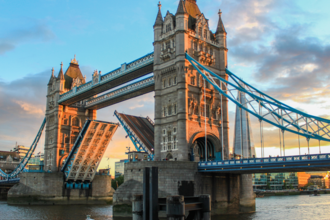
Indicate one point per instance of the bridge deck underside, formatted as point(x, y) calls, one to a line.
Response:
point(122, 98)
point(108, 85)
point(142, 128)
point(88, 151)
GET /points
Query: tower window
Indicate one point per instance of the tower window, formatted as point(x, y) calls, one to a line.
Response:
point(174, 130)
point(164, 139)
point(169, 136)
point(164, 132)
point(211, 51)
point(164, 113)
point(174, 80)
point(192, 80)
point(168, 27)
point(164, 84)
point(169, 81)
point(206, 50)
point(174, 108)
point(200, 31)
point(205, 34)
point(168, 45)
point(208, 111)
point(75, 122)
point(170, 110)
point(195, 46)
point(174, 142)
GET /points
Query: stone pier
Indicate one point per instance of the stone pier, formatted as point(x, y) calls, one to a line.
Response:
point(230, 194)
point(48, 189)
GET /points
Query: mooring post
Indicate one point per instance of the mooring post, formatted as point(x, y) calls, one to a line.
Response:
point(137, 207)
point(153, 193)
point(206, 204)
point(146, 197)
point(175, 208)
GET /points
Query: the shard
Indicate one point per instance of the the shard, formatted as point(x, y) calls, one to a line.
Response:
point(243, 139)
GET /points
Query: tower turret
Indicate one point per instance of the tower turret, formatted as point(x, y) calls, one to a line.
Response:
point(221, 36)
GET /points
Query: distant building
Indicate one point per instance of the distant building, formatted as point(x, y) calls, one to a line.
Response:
point(119, 168)
point(9, 161)
point(22, 150)
point(305, 178)
point(275, 181)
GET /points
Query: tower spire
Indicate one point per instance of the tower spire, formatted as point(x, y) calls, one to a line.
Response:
point(51, 77)
point(60, 74)
point(220, 28)
point(159, 19)
point(181, 8)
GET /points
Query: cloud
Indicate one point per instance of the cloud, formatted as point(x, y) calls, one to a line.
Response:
point(31, 34)
point(22, 109)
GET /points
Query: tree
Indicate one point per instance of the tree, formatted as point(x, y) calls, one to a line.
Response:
point(268, 186)
point(118, 181)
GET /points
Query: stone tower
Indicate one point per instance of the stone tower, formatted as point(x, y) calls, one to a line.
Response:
point(179, 90)
point(63, 123)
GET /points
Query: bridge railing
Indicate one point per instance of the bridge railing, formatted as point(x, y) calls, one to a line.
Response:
point(266, 160)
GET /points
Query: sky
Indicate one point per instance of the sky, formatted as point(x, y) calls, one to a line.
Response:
point(280, 46)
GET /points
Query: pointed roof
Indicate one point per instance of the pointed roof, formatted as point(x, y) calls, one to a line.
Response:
point(51, 77)
point(220, 28)
point(192, 8)
point(159, 19)
point(181, 8)
point(60, 74)
point(71, 73)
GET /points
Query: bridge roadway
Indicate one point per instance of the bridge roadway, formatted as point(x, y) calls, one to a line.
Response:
point(117, 77)
point(313, 162)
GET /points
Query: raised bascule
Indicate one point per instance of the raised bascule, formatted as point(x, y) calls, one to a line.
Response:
point(189, 138)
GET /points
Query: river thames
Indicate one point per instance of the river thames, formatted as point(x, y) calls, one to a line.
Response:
point(274, 207)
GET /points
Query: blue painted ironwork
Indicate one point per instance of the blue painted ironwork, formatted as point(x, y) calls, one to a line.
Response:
point(21, 166)
point(73, 153)
point(263, 106)
point(267, 164)
point(139, 146)
point(121, 91)
point(119, 72)
point(9, 181)
point(87, 151)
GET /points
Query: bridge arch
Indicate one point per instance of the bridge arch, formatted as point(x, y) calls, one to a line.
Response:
point(213, 145)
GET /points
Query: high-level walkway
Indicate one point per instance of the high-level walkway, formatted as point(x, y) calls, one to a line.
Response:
point(115, 78)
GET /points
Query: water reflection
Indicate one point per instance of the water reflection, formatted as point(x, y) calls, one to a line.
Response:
point(275, 207)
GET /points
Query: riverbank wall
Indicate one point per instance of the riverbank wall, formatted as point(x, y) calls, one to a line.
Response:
point(49, 189)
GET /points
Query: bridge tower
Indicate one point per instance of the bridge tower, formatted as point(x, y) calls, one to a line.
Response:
point(182, 102)
point(63, 122)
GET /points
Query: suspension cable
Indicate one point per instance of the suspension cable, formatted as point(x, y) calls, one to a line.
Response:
point(205, 121)
point(221, 115)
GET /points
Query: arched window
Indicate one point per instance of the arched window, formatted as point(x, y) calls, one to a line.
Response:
point(75, 122)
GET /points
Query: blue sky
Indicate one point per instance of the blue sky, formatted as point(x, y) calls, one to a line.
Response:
point(280, 46)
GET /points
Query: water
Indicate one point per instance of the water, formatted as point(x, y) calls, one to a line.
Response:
point(275, 207)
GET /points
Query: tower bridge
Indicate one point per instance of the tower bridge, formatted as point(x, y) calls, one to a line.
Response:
point(189, 138)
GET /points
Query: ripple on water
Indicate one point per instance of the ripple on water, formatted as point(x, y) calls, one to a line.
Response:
point(275, 207)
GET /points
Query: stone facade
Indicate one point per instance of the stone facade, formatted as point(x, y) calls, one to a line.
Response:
point(63, 122)
point(179, 90)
